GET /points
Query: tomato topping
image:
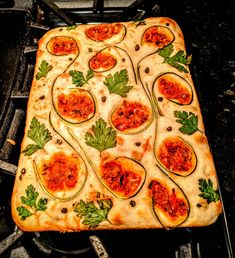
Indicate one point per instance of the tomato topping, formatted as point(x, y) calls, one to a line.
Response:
point(60, 172)
point(175, 155)
point(173, 90)
point(168, 202)
point(102, 60)
point(62, 46)
point(103, 31)
point(119, 179)
point(76, 105)
point(157, 36)
point(130, 115)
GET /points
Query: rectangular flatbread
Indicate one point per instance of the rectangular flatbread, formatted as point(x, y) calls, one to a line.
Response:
point(114, 135)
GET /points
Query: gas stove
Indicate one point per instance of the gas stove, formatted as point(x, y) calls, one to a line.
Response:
point(24, 23)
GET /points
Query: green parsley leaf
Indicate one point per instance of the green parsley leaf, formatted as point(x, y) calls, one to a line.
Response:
point(42, 204)
point(189, 122)
point(23, 212)
point(139, 23)
point(175, 60)
point(117, 83)
point(166, 51)
point(39, 134)
point(92, 214)
point(78, 78)
point(103, 137)
point(71, 27)
point(44, 68)
point(30, 149)
point(30, 200)
point(207, 191)
point(31, 196)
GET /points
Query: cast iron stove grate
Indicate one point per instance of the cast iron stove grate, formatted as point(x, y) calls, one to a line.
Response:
point(208, 242)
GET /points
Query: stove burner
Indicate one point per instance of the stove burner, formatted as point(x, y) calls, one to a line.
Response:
point(77, 243)
point(65, 243)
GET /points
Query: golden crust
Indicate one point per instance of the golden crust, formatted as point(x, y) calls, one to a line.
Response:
point(143, 65)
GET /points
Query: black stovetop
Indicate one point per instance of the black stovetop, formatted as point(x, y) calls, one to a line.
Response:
point(210, 37)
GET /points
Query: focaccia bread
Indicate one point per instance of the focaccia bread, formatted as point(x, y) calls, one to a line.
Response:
point(114, 135)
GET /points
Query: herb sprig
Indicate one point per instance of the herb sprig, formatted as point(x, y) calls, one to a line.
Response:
point(93, 214)
point(175, 60)
point(139, 23)
point(39, 134)
point(103, 137)
point(72, 27)
point(189, 122)
point(117, 83)
point(44, 69)
point(79, 79)
point(207, 191)
point(31, 201)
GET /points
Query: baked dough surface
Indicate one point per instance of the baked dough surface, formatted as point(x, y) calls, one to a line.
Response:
point(104, 147)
